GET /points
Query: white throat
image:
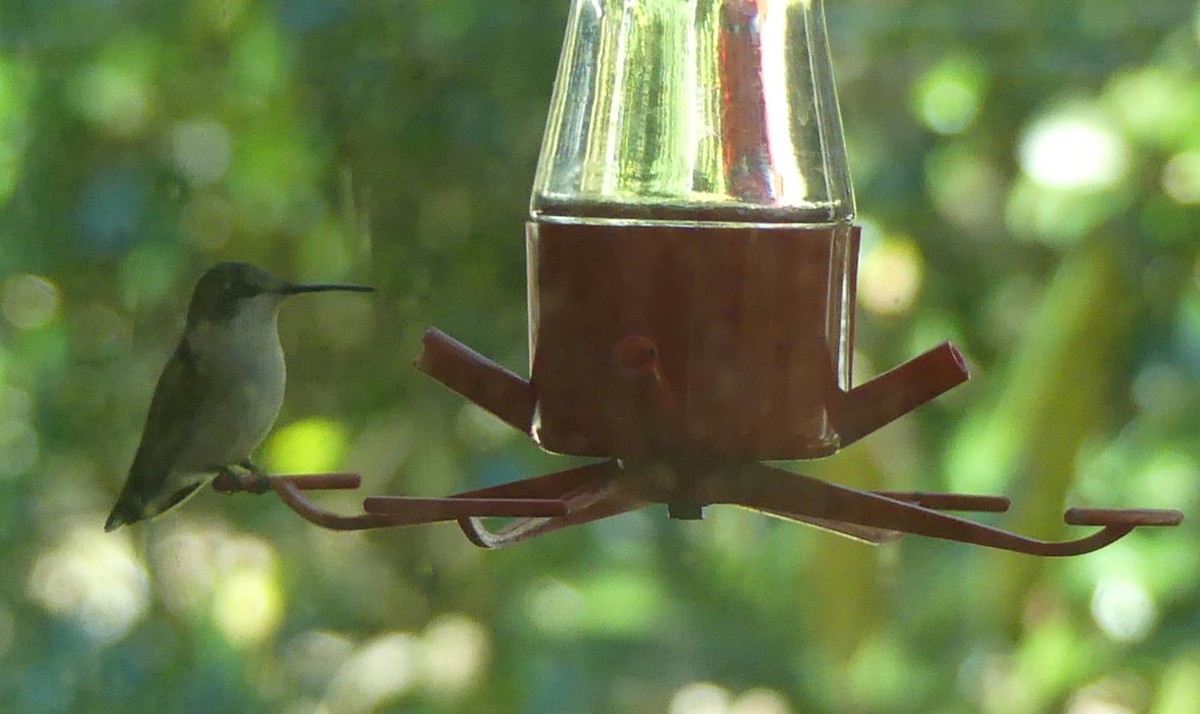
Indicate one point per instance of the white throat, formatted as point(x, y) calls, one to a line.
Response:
point(245, 341)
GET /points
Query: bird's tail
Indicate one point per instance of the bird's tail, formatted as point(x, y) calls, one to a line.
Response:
point(123, 512)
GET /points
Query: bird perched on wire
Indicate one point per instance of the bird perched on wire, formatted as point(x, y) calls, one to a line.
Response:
point(218, 395)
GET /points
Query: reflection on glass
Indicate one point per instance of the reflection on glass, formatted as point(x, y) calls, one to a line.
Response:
point(696, 104)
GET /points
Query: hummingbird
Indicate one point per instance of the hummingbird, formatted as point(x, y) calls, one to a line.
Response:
point(218, 395)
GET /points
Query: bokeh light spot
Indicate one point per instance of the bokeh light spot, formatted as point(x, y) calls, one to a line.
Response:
point(1181, 177)
point(202, 150)
point(965, 187)
point(184, 566)
point(760, 701)
point(1106, 696)
point(380, 671)
point(454, 654)
point(205, 571)
point(1087, 705)
point(1123, 609)
point(622, 604)
point(948, 96)
point(1180, 688)
point(890, 277)
point(307, 446)
point(1059, 216)
point(313, 657)
point(265, 177)
point(29, 301)
point(1155, 104)
point(114, 99)
point(553, 607)
point(881, 672)
point(1170, 476)
point(248, 605)
point(700, 698)
point(97, 582)
point(1073, 149)
point(112, 206)
point(259, 61)
point(1161, 391)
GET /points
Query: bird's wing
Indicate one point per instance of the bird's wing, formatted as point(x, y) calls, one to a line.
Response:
point(170, 422)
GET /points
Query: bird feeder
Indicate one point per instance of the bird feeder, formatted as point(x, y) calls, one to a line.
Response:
point(692, 267)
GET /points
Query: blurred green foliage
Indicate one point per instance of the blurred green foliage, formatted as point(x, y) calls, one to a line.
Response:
point(1029, 177)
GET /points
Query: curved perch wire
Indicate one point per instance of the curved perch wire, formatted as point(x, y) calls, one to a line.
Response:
point(576, 496)
point(290, 490)
point(388, 511)
point(774, 490)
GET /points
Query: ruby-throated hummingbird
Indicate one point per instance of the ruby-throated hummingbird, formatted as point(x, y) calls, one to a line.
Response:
point(219, 394)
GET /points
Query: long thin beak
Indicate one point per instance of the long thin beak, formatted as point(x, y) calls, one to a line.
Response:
point(293, 289)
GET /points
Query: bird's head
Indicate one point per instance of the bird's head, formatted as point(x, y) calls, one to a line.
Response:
point(226, 288)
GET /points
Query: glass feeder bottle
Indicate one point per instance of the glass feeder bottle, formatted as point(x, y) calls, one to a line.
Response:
point(693, 190)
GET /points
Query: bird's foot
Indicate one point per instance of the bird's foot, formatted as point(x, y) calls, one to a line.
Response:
point(256, 481)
